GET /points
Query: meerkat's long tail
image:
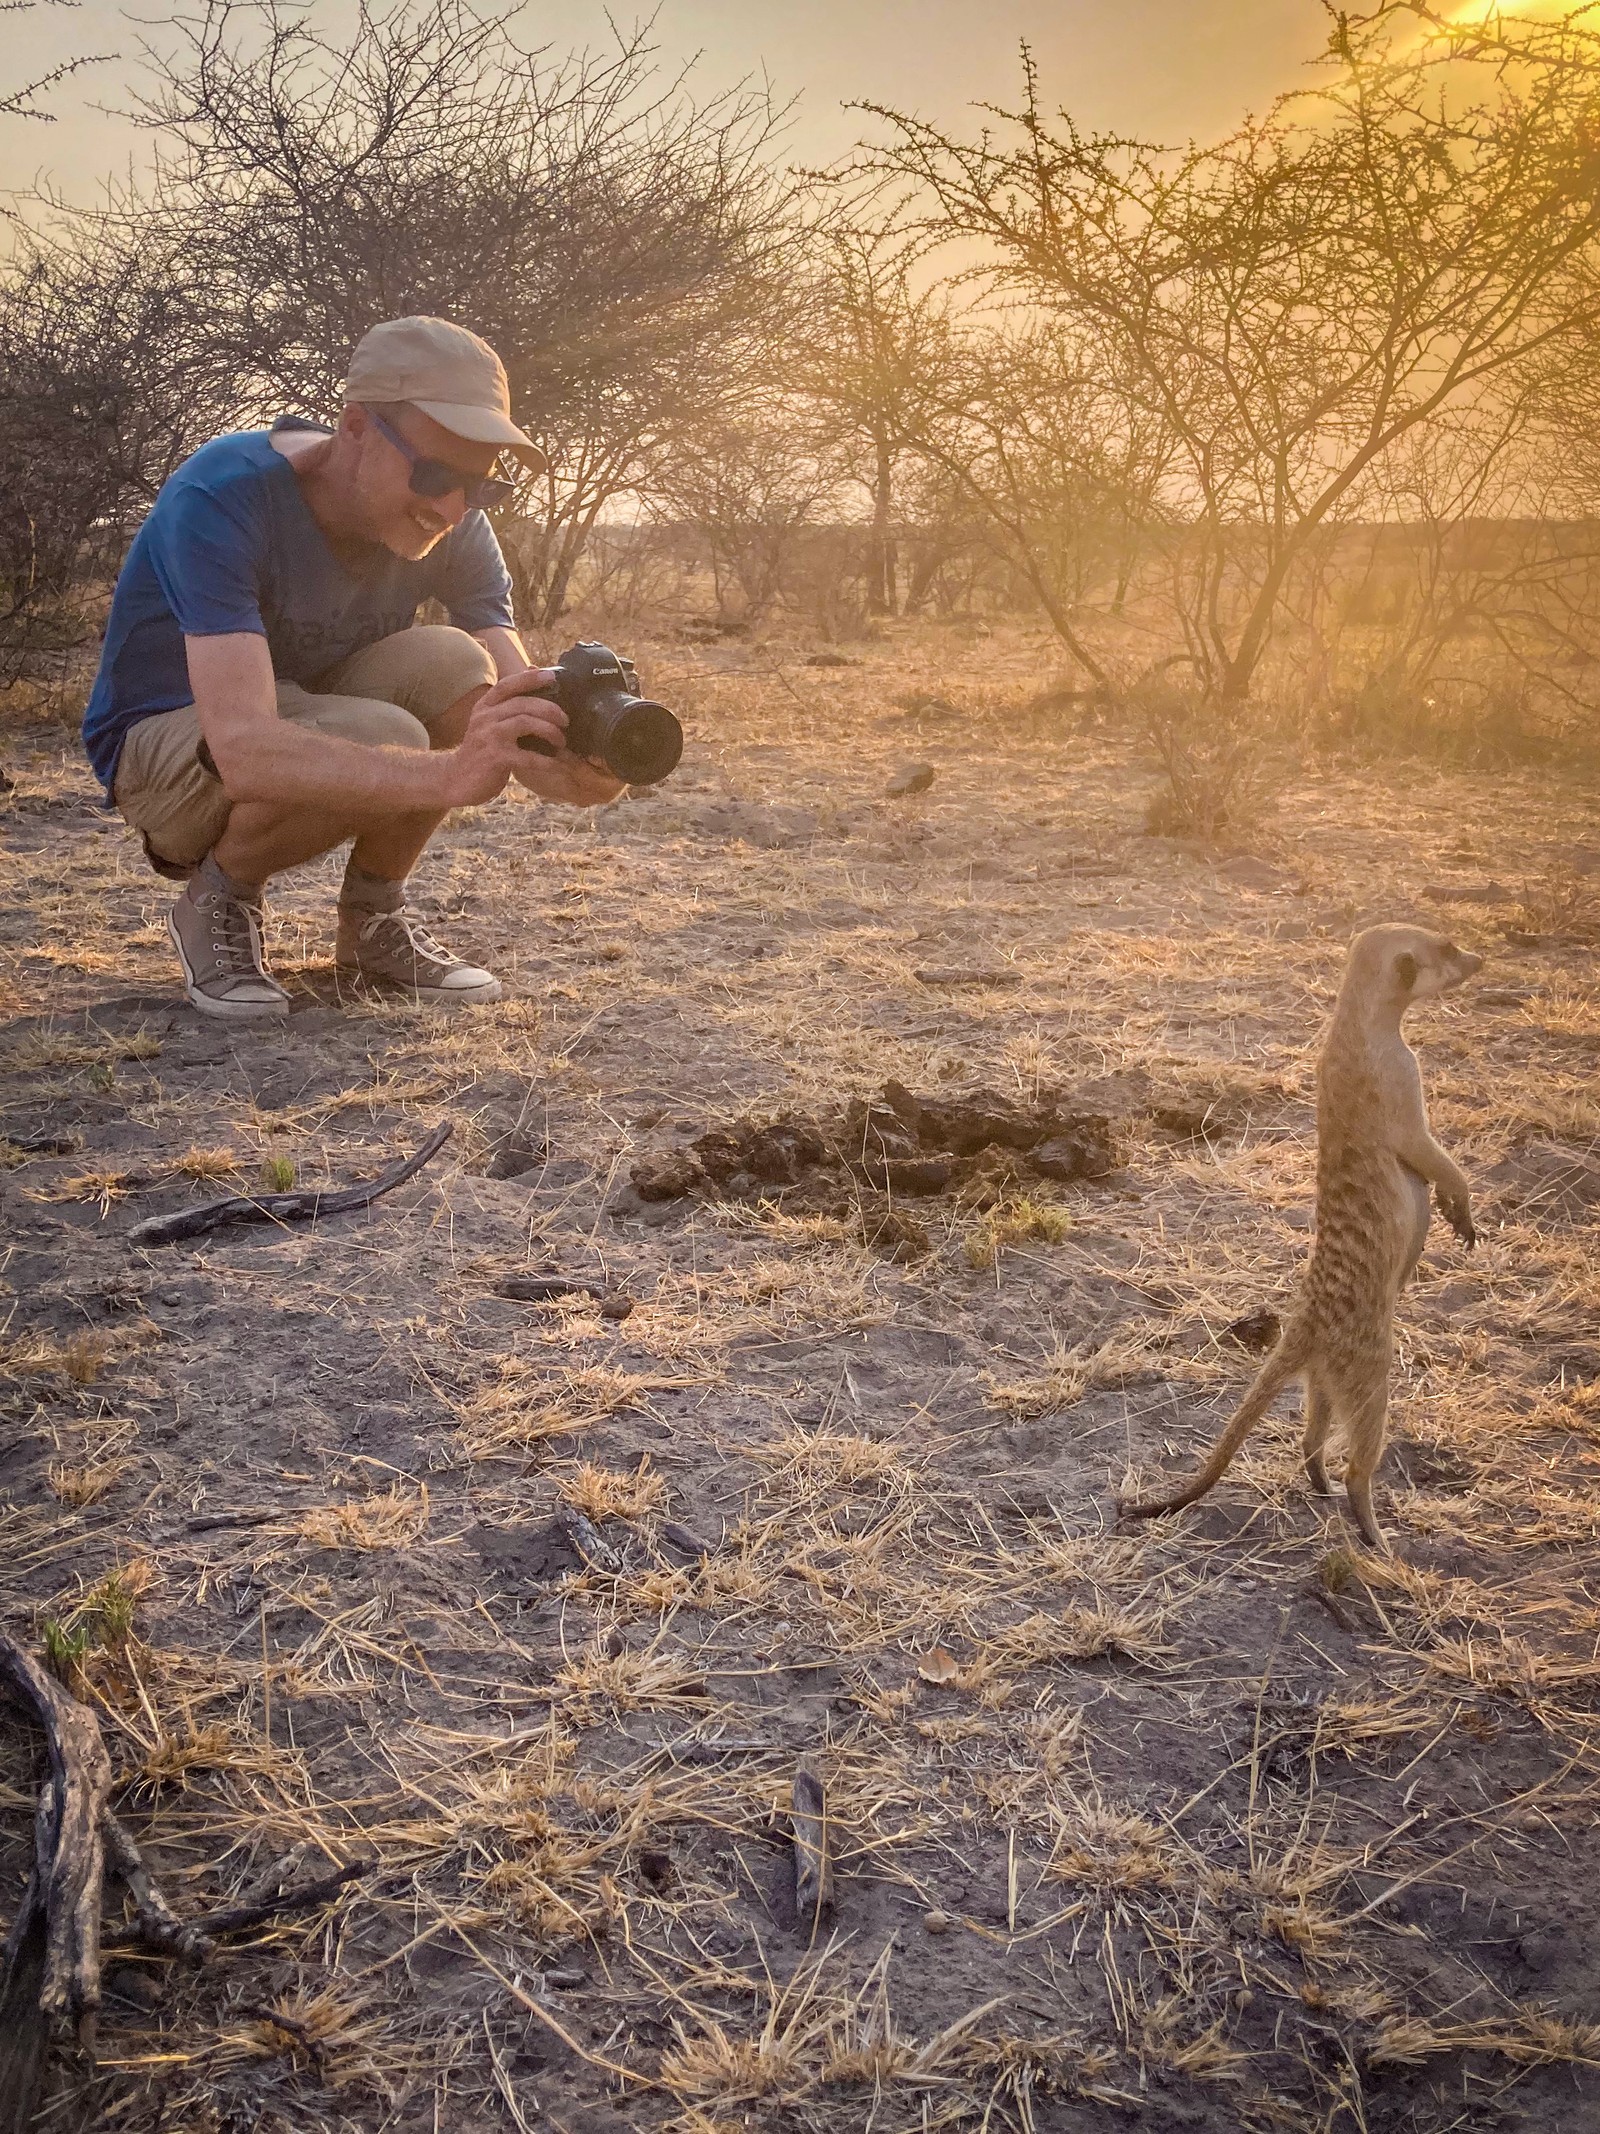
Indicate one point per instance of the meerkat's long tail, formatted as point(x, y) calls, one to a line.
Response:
point(1287, 1361)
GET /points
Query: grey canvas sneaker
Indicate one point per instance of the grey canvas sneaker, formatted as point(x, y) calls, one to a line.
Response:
point(397, 950)
point(217, 933)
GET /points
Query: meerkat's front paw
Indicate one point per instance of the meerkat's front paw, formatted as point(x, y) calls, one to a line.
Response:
point(1458, 1214)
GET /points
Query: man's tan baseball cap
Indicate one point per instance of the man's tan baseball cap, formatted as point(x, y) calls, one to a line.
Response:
point(447, 372)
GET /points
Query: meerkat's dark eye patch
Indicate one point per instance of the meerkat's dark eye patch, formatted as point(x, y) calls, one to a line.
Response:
point(1405, 969)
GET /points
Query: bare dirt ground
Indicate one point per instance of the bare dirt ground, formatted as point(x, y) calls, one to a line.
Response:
point(1218, 1824)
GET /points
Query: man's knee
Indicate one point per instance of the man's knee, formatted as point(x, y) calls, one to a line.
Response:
point(425, 669)
point(377, 725)
point(366, 720)
point(448, 662)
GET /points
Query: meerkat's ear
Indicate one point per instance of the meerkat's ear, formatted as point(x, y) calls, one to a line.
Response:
point(1405, 969)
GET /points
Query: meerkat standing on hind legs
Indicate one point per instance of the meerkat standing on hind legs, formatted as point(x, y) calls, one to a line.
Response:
point(1376, 1160)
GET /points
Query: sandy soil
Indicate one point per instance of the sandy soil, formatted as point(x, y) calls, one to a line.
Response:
point(1221, 1824)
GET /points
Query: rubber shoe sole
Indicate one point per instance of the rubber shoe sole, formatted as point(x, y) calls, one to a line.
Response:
point(228, 1011)
point(429, 996)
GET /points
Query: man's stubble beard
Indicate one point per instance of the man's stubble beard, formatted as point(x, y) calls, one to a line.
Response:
point(418, 540)
point(399, 531)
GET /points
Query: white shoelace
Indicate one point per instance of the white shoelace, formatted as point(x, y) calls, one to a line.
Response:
point(423, 945)
point(235, 937)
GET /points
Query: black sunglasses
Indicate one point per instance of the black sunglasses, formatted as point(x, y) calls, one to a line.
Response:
point(436, 477)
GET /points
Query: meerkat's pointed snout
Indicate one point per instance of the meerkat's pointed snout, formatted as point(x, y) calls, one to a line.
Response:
point(1455, 966)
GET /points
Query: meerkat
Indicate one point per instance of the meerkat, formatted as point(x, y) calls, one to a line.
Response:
point(1376, 1160)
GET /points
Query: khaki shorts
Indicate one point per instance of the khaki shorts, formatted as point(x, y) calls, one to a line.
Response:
point(387, 695)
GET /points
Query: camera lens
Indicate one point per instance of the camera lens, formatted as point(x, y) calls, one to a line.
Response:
point(643, 742)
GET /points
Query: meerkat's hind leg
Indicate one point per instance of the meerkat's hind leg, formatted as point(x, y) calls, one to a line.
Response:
point(1319, 1420)
point(1365, 1422)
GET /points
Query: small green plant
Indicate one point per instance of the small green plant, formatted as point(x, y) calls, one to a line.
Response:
point(101, 1621)
point(64, 1648)
point(277, 1174)
point(108, 1607)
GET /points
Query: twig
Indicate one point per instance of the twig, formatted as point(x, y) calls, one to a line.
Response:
point(587, 1539)
point(284, 1207)
point(299, 1897)
point(155, 1923)
point(813, 1861)
point(1340, 1615)
point(256, 1904)
point(502, 2081)
point(545, 1289)
point(210, 1522)
point(709, 1752)
point(52, 1955)
point(291, 2026)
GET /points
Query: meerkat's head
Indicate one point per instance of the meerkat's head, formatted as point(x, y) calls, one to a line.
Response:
point(1401, 965)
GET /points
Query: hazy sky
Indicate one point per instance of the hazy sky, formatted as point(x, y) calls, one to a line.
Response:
point(1166, 69)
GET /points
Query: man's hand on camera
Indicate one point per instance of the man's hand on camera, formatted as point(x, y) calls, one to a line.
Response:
point(574, 779)
point(481, 762)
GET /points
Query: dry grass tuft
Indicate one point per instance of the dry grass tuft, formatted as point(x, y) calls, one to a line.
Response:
point(49, 1047)
point(1014, 1222)
point(1533, 2037)
point(390, 1521)
point(172, 1762)
point(208, 1163)
point(836, 1459)
point(103, 1187)
point(600, 1493)
point(528, 1404)
point(1071, 1372)
point(328, 2032)
point(79, 1486)
point(80, 1358)
point(1111, 1850)
point(605, 1682)
point(1560, 900)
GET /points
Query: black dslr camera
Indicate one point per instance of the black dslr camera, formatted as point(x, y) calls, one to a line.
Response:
point(608, 721)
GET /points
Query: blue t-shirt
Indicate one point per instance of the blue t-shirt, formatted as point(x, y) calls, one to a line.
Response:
point(230, 545)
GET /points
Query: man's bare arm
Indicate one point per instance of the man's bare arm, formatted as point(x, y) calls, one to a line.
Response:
point(263, 758)
point(505, 648)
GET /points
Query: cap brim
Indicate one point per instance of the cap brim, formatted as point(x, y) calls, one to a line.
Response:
point(482, 426)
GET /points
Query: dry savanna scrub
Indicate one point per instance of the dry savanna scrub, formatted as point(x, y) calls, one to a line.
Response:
point(542, 1603)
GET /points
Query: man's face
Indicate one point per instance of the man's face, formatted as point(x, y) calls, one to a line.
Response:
point(390, 511)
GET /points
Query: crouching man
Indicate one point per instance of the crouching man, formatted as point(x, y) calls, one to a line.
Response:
point(265, 693)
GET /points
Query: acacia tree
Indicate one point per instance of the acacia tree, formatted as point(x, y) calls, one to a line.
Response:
point(1477, 586)
point(613, 239)
point(53, 409)
point(99, 397)
point(1062, 469)
point(751, 483)
point(871, 352)
point(1292, 302)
